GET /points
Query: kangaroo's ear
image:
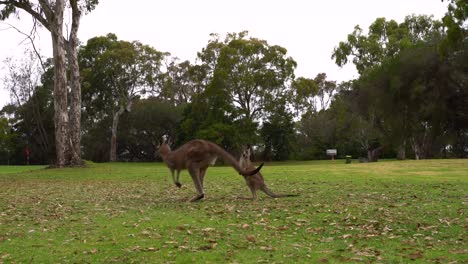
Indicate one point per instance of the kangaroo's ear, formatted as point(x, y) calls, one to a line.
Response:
point(166, 139)
point(169, 141)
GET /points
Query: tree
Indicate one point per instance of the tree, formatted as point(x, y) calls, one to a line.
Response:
point(149, 121)
point(313, 95)
point(277, 133)
point(246, 80)
point(67, 123)
point(257, 75)
point(30, 112)
point(182, 82)
point(139, 131)
point(7, 140)
point(385, 39)
point(408, 89)
point(211, 116)
point(345, 125)
point(455, 23)
point(418, 99)
point(115, 73)
point(305, 91)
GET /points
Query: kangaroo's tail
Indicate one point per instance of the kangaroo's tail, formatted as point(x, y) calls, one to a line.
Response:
point(233, 162)
point(275, 195)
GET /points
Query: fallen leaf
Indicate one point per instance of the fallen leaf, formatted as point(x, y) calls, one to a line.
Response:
point(250, 238)
point(327, 239)
point(346, 236)
point(415, 255)
point(269, 248)
point(208, 247)
point(459, 251)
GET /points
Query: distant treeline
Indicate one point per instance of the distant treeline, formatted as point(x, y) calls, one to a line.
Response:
point(410, 100)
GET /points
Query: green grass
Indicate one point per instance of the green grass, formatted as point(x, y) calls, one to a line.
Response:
point(17, 169)
point(385, 212)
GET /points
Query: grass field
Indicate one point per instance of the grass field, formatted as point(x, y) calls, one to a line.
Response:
point(385, 212)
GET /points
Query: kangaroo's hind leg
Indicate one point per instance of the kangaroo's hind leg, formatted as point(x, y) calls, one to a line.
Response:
point(202, 176)
point(253, 191)
point(194, 171)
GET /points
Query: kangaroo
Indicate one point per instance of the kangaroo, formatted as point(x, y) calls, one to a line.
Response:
point(256, 182)
point(196, 156)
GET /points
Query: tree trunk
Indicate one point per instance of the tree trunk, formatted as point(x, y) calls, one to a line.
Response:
point(50, 15)
point(369, 155)
point(416, 150)
point(60, 88)
point(115, 123)
point(401, 153)
point(373, 154)
point(75, 100)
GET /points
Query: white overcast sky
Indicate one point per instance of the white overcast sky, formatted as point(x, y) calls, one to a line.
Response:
point(308, 29)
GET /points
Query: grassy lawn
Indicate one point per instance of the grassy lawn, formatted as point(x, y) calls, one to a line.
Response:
point(385, 212)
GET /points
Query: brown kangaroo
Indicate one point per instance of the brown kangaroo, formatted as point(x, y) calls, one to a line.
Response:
point(256, 182)
point(196, 156)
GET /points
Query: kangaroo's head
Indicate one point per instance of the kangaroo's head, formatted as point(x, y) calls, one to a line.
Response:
point(244, 160)
point(246, 152)
point(164, 148)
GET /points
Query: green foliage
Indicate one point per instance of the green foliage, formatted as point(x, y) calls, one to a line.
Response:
point(96, 141)
point(255, 74)
point(455, 22)
point(220, 133)
point(278, 135)
point(182, 82)
point(385, 39)
point(312, 95)
point(305, 92)
point(7, 140)
point(418, 96)
point(31, 118)
point(143, 128)
point(247, 80)
point(389, 212)
point(410, 94)
point(140, 132)
point(114, 72)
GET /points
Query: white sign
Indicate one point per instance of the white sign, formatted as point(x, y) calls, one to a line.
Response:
point(331, 152)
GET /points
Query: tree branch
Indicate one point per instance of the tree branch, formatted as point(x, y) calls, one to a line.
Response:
point(31, 40)
point(26, 6)
point(76, 14)
point(46, 8)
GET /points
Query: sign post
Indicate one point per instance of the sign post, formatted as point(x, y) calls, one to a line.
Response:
point(332, 153)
